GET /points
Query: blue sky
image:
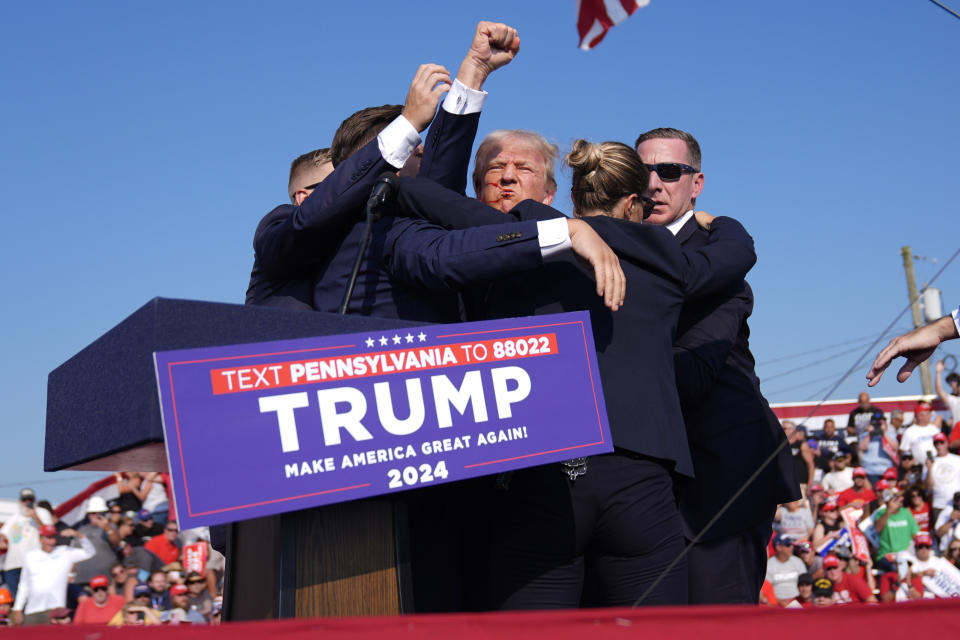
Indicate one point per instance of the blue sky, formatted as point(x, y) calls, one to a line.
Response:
point(141, 144)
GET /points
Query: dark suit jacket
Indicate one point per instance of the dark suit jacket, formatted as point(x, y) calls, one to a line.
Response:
point(634, 344)
point(292, 243)
point(730, 427)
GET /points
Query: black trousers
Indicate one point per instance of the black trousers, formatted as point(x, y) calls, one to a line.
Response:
point(730, 570)
point(621, 515)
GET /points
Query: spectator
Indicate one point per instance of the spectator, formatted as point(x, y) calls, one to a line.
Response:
point(816, 497)
point(859, 495)
point(893, 588)
point(802, 453)
point(134, 615)
point(147, 527)
point(909, 472)
point(860, 417)
point(852, 564)
point(216, 610)
point(102, 606)
point(125, 531)
point(926, 564)
point(840, 477)
point(22, 535)
point(828, 527)
point(156, 501)
point(822, 592)
point(814, 563)
point(804, 597)
point(895, 527)
point(948, 524)
point(952, 554)
point(159, 596)
point(114, 514)
point(165, 547)
point(950, 399)
point(104, 539)
point(878, 448)
point(918, 437)
point(180, 610)
point(829, 442)
point(919, 508)
point(174, 572)
point(199, 598)
point(943, 475)
point(795, 520)
point(43, 583)
point(118, 578)
point(132, 491)
point(6, 603)
point(851, 438)
point(896, 422)
point(847, 587)
point(783, 569)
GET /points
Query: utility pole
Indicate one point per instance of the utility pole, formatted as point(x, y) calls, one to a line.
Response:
point(926, 381)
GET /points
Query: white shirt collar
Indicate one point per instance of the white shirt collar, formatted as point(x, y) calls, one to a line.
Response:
point(677, 224)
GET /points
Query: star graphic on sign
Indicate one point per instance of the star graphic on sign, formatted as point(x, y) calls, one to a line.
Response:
point(369, 343)
point(409, 338)
point(383, 341)
point(422, 336)
point(396, 339)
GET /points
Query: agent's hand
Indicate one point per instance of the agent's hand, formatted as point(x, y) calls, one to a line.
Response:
point(590, 247)
point(494, 45)
point(704, 219)
point(16, 617)
point(916, 346)
point(429, 84)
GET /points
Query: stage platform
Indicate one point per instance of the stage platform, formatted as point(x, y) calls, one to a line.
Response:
point(940, 618)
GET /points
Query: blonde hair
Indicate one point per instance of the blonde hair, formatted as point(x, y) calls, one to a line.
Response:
point(603, 173)
point(544, 147)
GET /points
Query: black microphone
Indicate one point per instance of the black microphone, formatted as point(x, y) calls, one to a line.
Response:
point(383, 189)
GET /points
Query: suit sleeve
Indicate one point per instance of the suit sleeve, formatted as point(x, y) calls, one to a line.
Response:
point(293, 241)
point(721, 263)
point(446, 152)
point(702, 350)
point(423, 255)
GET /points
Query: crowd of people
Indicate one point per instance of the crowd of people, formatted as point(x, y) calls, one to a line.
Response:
point(121, 564)
point(880, 516)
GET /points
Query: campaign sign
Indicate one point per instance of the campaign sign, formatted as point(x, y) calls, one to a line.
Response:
point(259, 429)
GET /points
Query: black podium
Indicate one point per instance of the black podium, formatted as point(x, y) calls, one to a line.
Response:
point(347, 559)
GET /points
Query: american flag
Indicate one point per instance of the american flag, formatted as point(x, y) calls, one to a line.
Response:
point(595, 17)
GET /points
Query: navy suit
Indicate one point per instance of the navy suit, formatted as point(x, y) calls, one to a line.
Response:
point(292, 243)
point(622, 510)
point(731, 431)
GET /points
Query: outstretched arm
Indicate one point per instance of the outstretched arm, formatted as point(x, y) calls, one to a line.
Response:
point(916, 346)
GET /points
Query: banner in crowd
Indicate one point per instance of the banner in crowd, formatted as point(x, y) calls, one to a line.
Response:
point(858, 541)
point(259, 429)
point(195, 557)
point(945, 583)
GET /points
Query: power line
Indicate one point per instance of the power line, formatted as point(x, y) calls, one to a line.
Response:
point(946, 8)
point(818, 349)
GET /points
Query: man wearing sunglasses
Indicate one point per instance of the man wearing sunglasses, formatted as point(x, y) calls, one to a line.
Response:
point(102, 606)
point(730, 427)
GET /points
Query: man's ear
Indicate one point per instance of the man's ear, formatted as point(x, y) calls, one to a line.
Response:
point(697, 186)
point(549, 197)
point(299, 196)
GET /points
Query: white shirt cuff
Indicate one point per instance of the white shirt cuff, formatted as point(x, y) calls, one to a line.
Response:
point(956, 318)
point(462, 100)
point(397, 141)
point(554, 237)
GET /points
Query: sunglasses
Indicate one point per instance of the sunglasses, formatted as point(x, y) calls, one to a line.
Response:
point(194, 581)
point(174, 529)
point(671, 171)
point(95, 589)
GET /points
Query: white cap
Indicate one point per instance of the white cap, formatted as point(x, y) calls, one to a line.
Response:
point(96, 505)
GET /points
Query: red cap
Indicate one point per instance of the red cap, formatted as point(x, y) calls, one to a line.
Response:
point(939, 438)
point(829, 506)
point(922, 538)
point(859, 472)
point(831, 561)
point(922, 406)
point(48, 531)
point(881, 485)
point(816, 487)
point(178, 589)
point(99, 581)
point(890, 474)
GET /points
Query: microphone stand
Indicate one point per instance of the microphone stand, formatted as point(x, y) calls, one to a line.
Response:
point(379, 194)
